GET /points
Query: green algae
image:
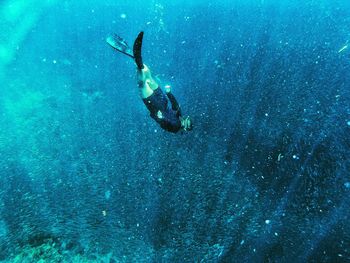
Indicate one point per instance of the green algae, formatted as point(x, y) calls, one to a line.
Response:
point(49, 252)
point(46, 252)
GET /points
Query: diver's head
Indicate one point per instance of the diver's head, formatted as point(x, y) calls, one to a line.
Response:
point(186, 123)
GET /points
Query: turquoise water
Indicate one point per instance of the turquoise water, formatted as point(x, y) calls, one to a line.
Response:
point(87, 176)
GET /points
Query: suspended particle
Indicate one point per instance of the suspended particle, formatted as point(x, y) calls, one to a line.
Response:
point(279, 157)
point(343, 48)
point(107, 194)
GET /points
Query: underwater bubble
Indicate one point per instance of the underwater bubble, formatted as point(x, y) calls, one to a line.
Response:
point(267, 222)
point(347, 184)
point(123, 16)
point(348, 123)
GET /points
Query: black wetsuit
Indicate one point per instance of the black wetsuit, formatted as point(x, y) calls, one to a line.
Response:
point(170, 120)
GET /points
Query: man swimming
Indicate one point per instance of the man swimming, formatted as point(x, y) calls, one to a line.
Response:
point(169, 118)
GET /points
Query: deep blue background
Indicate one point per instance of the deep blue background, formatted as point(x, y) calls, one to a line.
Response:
point(264, 176)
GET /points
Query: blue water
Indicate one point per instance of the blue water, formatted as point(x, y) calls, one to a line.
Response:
point(263, 177)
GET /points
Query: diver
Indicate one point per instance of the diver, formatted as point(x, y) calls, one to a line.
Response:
point(169, 118)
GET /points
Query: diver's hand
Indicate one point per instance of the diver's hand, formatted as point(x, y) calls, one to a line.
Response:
point(160, 115)
point(167, 88)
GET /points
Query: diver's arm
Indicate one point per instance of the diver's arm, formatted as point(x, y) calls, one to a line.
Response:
point(174, 104)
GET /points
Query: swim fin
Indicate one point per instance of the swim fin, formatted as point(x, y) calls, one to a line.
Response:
point(137, 50)
point(120, 45)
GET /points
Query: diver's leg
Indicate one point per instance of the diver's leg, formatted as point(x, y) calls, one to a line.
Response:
point(137, 51)
point(146, 83)
point(145, 90)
